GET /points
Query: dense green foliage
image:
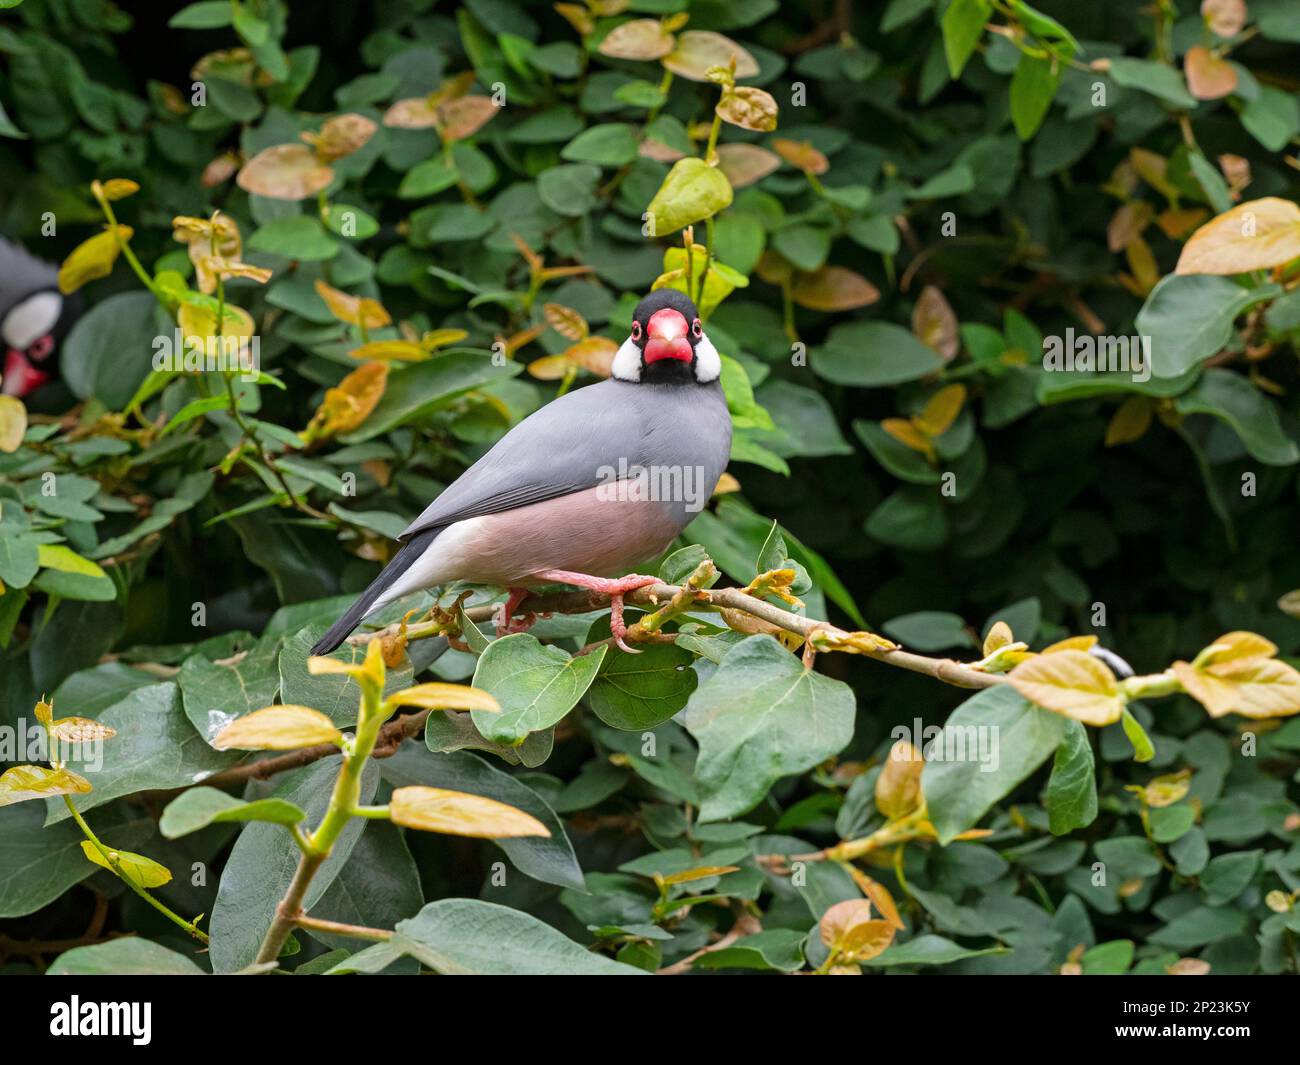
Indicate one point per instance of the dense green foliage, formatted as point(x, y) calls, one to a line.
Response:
point(948, 189)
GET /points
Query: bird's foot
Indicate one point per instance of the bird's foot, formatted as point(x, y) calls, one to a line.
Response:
point(504, 614)
point(615, 588)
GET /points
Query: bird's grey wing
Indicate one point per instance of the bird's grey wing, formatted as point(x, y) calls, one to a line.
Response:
point(567, 446)
point(21, 274)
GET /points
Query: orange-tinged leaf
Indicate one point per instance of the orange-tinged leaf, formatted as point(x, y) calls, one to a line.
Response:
point(1127, 223)
point(898, 788)
point(1225, 17)
point(878, 895)
point(802, 155)
point(833, 288)
point(350, 404)
point(418, 112)
point(905, 432)
point(698, 50)
point(941, 410)
point(849, 930)
point(935, 324)
point(355, 310)
point(221, 169)
point(92, 259)
point(1177, 224)
point(565, 321)
point(1236, 172)
point(642, 38)
point(341, 136)
point(1073, 683)
point(277, 728)
point(1130, 421)
point(13, 423)
point(726, 485)
point(465, 116)
point(1208, 76)
point(141, 871)
point(438, 696)
point(390, 351)
point(549, 367)
point(595, 355)
point(285, 172)
point(745, 164)
point(749, 108)
point(578, 17)
point(115, 189)
point(1255, 235)
point(702, 872)
point(455, 813)
point(23, 782)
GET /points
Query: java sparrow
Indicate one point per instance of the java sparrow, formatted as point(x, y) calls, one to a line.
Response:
point(593, 483)
point(34, 318)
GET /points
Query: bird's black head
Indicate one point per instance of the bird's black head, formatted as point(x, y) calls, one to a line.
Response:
point(667, 343)
point(34, 319)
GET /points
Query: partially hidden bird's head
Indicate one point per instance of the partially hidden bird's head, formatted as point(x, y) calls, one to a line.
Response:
point(34, 318)
point(667, 344)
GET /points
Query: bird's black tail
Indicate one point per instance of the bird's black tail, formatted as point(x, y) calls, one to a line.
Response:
point(410, 551)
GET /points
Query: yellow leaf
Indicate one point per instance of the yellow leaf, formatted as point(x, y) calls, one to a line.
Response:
point(849, 930)
point(935, 324)
point(438, 696)
point(370, 669)
point(355, 310)
point(341, 136)
point(578, 17)
point(24, 782)
point(78, 730)
point(350, 403)
point(1235, 645)
point(905, 432)
point(1142, 263)
point(1253, 687)
point(277, 728)
point(1208, 76)
point(642, 38)
point(390, 351)
point(1256, 235)
point(802, 155)
point(208, 240)
point(1167, 789)
point(833, 288)
point(454, 813)
point(285, 172)
point(441, 338)
point(549, 367)
point(1070, 643)
point(198, 323)
point(92, 259)
point(744, 164)
point(65, 560)
point(115, 189)
point(1000, 635)
point(13, 423)
point(699, 50)
point(702, 872)
point(898, 788)
point(749, 108)
point(726, 484)
point(1072, 683)
point(565, 321)
point(1130, 421)
point(141, 871)
point(941, 410)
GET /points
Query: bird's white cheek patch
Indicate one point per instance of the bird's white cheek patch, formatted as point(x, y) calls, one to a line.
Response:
point(708, 364)
point(32, 319)
point(627, 362)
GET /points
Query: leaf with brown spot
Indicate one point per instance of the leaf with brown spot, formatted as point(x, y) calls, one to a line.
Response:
point(285, 172)
point(749, 108)
point(833, 288)
point(341, 136)
point(417, 112)
point(935, 324)
point(465, 116)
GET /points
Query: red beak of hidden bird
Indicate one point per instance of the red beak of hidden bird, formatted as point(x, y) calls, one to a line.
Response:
point(666, 334)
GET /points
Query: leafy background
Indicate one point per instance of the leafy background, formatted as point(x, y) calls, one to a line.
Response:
point(966, 218)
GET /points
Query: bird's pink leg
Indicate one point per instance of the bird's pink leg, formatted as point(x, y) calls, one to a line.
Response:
point(505, 611)
point(615, 588)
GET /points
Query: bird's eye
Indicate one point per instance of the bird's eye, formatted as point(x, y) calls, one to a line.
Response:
point(636, 330)
point(696, 328)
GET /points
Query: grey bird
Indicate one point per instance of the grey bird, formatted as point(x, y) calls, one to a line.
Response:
point(34, 318)
point(592, 484)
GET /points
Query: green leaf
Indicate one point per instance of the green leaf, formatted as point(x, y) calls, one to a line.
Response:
point(216, 693)
point(91, 358)
point(692, 192)
point(1160, 80)
point(929, 630)
point(610, 144)
point(128, 956)
point(300, 237)
point(1232, 399)
point(1071, 798)
point(1228, 875)
point(208, 15)
point(639, 691)
point(335, 695)
point(773, 949)
point(871, 354)
point(963, 25)
point(19, 559)
point(1143, 749)
point(1032, 88)
point(261, 866)
point(927, 950)
point(959, 790)
point(461, 937)
point(762, 716)
point(535, 684)
point(1189, 318)
point(569, 189)
point(199, 807)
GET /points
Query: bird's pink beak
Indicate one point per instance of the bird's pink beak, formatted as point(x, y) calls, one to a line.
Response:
point(666, 333)
point(20, 376)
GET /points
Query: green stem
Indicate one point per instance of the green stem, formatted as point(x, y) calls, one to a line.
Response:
point(110, 857)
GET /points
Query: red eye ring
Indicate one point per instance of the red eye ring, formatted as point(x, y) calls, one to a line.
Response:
point(696, 328)
point(636, 330)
